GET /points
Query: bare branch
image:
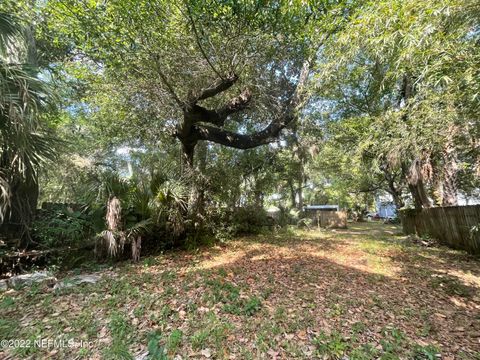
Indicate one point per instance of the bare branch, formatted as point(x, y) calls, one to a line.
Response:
point(170, 88)
point(216, 88)
point(197, 39)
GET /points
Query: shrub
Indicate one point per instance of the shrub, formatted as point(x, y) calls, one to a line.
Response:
point(249, 219)
point(61, 227)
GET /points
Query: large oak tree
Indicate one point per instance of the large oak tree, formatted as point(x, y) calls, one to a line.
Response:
point(226, 72)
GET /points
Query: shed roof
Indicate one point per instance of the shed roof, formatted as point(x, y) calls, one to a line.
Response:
point(321, 207)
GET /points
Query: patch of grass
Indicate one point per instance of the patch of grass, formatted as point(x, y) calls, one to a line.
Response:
point(267, 292)
point(31, 350)
point(469, 356)
point(8, 327)
point(199, 339)
point(150, 261)
point(222, 291)
point(280, 314)
point(7, 302)
point(174, 340)
point(119, 326)
point(87, 323)
point(378, 302)
point(292, 349)
point(212, 332)
point(120, 290)
point(333, 345)
point(364, 352)
point(168, 275)
point(121, 331)
point(428, 352)
point(426, 329)
point(265, 335)
point(336, 310)
point(139, 311)
point(452, 286)
point(229, 295)
point(359, 327)
point(393, 340)
point(252, 305)
point(246, 307)
point(408, 312)
point(222, 272)
point(155, 350)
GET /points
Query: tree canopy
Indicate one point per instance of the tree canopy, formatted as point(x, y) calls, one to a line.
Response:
point(258, 103)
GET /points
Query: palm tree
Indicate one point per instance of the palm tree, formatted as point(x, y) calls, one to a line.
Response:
point(24, 143)
point(133, 209)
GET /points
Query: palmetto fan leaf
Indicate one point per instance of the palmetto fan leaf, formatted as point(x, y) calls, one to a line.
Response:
point(172, 193)
point(10, 30)
point(24, 142)
point(105, 185)
point(140, 228)
point(21, 91)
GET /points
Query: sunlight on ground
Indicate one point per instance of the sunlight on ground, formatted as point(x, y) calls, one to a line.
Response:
point(297, 294)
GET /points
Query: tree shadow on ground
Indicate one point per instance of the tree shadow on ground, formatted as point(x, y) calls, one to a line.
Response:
point(322, 295)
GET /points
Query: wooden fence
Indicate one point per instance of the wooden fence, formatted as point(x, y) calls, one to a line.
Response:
point(329, 219)
point(454, 226)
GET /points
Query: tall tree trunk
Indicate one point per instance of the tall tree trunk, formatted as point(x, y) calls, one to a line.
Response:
point(300, 197)
point(202, 153)
point(188, 153)
point(258, 199)
point(450, 171)
point(416, 185)
point(301, 181)
point(21, 212)
point(413, 174)
point(419, 195)
point(396, 194)
point(293, 194)
point(437, 190)
point(194, 171)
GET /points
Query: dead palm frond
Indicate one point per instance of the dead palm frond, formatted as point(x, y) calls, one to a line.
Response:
point(136, 248)
point(135, 234)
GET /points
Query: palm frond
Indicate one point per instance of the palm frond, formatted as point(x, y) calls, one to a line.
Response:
point(140, 229)
point(172, 193)
point(141, 201)
point(10, 31)
point(105, 185)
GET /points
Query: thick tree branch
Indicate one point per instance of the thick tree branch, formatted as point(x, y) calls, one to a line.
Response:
point(235, 105)
point(216, 88)
point(196, 113)
point(265, 136)
point(243, 141)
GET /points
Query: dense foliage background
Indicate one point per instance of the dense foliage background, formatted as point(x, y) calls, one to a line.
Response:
point(181, 122)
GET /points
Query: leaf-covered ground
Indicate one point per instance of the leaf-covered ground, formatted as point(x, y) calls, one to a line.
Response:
point(364, 293)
